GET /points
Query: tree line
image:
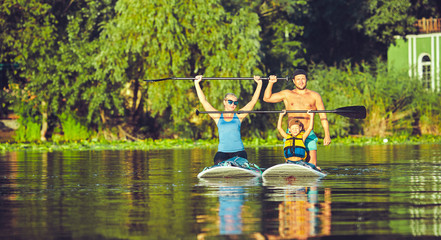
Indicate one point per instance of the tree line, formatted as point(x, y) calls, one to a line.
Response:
point(77, 69)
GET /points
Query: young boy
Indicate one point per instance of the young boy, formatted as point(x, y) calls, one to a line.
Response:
point(294, 149)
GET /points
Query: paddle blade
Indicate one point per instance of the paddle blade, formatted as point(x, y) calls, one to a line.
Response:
point(357, 112)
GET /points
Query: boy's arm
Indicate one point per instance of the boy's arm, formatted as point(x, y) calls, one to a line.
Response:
point(310, 127)
point(279, 126)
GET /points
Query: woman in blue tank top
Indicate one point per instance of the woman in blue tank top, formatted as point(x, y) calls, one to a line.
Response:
point(228, 124)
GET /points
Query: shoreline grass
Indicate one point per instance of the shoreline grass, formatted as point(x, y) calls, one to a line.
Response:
point(157, 144)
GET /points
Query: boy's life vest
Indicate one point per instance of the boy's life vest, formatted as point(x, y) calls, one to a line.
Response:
point(295, 147)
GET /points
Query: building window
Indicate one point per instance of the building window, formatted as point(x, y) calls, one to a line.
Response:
point(425, 71)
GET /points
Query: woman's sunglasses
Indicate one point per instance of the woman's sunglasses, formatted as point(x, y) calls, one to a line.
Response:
point(231, 102)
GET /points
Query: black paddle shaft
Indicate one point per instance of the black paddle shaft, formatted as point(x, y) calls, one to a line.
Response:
point(212, 78)
point(357, 112)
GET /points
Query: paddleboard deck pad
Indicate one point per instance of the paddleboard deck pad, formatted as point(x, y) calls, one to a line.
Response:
point(291, 170)
point(232, 168)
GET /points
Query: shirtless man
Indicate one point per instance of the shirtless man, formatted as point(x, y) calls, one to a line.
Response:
point(301, 98)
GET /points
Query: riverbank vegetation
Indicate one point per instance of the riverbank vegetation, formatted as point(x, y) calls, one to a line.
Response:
point(75, 71)
point(160, 144)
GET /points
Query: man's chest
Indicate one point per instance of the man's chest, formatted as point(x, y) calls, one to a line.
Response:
point(296, 101)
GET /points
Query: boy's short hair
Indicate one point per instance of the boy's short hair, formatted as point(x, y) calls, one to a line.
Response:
point(295, 121)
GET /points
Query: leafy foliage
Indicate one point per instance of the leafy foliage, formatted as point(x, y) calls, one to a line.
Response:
point(87, 87)
point(29, 40)
point(29, 124)
point(89, 59)
point(394, 101)
point(337, 30)
point(180, 38)
point(73, 129)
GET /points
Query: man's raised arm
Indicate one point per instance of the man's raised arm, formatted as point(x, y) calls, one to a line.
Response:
point(268, 95)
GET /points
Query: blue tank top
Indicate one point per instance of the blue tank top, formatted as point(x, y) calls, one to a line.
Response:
point(229, 135)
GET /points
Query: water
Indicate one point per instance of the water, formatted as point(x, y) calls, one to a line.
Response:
point(372, 192)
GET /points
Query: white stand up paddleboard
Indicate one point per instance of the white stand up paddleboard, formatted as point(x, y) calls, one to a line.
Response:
point(291, 170)
point(231, 169)
point(228, 171)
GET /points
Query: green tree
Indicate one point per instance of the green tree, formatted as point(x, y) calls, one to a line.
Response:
point(282, 27)
point(54, 44)
point(396, 105)
point(154, 39)
point(281, 51)
point(28, 38)
point(89, 92)
point(426, 8)
point(385, 19)
point(337, 30)
point(282, 33)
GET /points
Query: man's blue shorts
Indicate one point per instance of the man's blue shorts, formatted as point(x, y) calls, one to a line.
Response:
point(311, 141)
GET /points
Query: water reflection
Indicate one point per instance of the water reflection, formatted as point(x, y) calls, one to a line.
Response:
point(425, 205)
point(230, 210)
point(288, 209)
point(301, 208)
point(376, 191)
point(231, 194)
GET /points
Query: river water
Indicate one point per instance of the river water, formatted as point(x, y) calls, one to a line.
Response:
point(371, 192)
